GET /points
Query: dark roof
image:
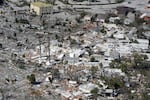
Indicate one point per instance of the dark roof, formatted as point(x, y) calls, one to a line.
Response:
point(102, 16)
point(124, 10)
point(1, 2)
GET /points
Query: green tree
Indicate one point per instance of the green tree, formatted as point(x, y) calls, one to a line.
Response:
point(92, 59)
point(55, 73)
point(93, 18)
point(20, 63)
point(94, 92)
point(103, 30)
point(138, 60)
point(119, 1)
point(115, 83)
point(93, 70)
point(31, 78)
point(80, 99)
point(82, 14)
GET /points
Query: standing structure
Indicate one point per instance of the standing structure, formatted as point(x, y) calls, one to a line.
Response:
point(40, 8)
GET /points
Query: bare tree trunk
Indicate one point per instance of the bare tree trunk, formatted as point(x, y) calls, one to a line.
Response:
point(40, 47)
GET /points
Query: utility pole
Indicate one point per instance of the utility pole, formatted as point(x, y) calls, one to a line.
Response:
point(49, 50)
point(40, 46)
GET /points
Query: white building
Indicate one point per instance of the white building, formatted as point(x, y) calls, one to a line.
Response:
point(86, 88)
point(113, 71)
point(113, 19)
point(40, 8)
point(143, 44)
